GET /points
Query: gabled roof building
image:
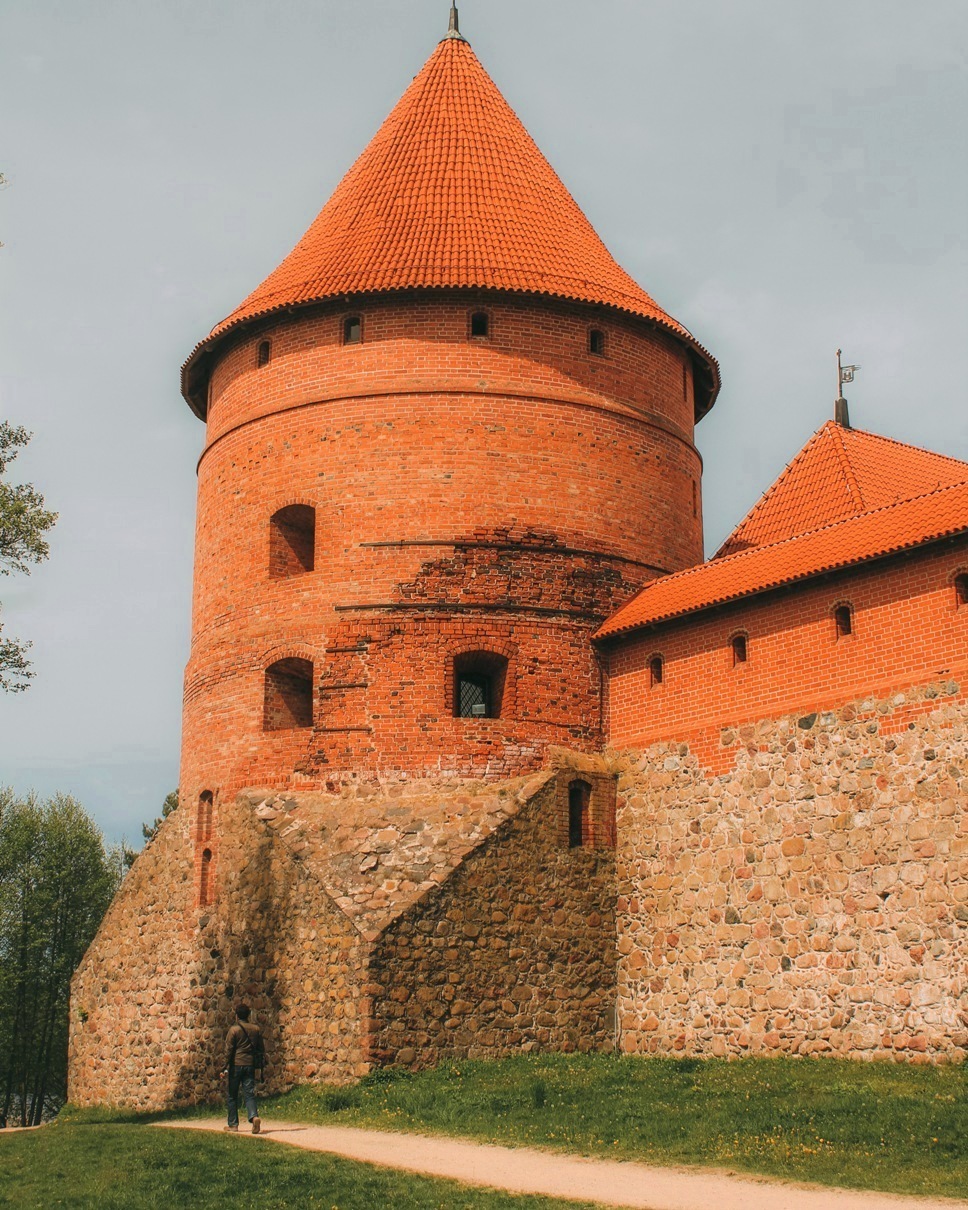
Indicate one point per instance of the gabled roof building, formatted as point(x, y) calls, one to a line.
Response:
point(479, 755)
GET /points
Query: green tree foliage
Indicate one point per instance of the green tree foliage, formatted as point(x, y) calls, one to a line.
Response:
point(150, 830)
point(56, 881)
point(23, 523)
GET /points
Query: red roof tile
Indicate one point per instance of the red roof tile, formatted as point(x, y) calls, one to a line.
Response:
point(900, 525)
point(841, 473)
point(452, 192)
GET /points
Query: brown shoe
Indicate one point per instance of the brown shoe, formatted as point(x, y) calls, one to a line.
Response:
point(256, 1124)
point(231, 1129)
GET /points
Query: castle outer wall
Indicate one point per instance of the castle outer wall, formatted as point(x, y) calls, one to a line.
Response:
point(793, 846)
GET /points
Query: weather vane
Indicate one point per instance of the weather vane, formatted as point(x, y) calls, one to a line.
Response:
point(845, 374)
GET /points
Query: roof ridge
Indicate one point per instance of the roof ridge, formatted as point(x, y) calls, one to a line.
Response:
point(906, 445)
point(840, 445)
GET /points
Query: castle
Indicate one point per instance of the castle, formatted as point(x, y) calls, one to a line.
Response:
point(479, 755)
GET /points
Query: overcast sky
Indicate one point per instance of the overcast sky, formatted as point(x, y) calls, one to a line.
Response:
point(783, 176)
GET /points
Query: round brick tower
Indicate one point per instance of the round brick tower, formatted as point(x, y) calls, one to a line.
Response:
point(446, 438)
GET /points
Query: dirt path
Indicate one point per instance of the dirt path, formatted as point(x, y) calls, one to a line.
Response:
point(608, 1182)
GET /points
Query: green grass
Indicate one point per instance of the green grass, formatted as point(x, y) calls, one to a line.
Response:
point(860, 1125)
point(103, 1166)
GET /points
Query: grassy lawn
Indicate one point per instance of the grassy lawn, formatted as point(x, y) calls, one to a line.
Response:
point(137, 1167)
point(876, 1126)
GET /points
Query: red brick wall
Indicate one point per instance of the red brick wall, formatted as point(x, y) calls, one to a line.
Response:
point(499, 495)
point(907, 629)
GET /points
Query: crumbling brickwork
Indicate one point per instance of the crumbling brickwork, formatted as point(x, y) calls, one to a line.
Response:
point(504, 494)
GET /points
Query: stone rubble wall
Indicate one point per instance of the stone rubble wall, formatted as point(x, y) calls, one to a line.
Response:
point(514, 953)
point(813, 898)
point(155, 993)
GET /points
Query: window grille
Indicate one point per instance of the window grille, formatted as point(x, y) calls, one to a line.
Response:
point(473, 694)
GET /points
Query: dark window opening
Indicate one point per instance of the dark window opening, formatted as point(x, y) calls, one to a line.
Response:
point(205, 806)
point(292, 541)
point(288, 695)
point(685, 382)
point(739, 647)
point(844, 618)
point(480, 324)
point(579, 814)
point(656, 670)
point(695, 498)
point(479, 678)
point(352, 330)
point(265, 350)
point(205, 879)
point(961, 590)
point(596, 342)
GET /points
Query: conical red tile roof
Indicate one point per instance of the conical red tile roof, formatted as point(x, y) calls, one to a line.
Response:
point(452, 192)
point(841, 473)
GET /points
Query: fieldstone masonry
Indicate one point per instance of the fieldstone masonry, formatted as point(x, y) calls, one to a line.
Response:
point(394, 923)
point(811, 900)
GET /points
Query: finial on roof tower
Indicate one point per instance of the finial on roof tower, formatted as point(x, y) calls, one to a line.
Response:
point(454, 29)
point(845, 374)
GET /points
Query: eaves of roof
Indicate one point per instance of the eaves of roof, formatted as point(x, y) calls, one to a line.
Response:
point(892, 529)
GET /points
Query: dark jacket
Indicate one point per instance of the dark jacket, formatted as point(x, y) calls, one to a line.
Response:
point(244, 1046)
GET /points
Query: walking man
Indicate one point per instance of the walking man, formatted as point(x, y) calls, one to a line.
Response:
point(244, 1054)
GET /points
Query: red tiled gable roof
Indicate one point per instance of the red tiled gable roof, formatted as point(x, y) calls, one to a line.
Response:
point(452, 192)
point(840, 473)
point(894, 527)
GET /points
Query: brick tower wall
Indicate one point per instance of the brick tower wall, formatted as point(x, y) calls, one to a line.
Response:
point(499, 495)
point(792, 866)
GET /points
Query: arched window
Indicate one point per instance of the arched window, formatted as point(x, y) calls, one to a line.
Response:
point(844, 620)
point(656, 670)
point(292, 541)
point(579, 814)
point(740, 649)
point(352, 330)
point(596, 342)
point(264, 353)
point(205, 879)
point(288, 695)
point(961, 590)
point(480, 324)
point(205, 806)
point(479, 678)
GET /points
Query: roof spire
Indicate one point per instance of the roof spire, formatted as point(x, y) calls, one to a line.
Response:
point(844, 374)
point(454, 28)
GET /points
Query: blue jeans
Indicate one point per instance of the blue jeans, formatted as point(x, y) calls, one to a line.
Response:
point(244, 1078)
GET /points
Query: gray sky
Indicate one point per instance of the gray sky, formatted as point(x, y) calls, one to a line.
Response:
point(784, 176)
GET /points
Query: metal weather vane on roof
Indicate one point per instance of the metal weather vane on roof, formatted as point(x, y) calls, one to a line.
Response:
point(845, 374)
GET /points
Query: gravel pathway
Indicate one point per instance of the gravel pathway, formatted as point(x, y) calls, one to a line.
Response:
point(607, 1182)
